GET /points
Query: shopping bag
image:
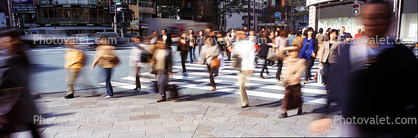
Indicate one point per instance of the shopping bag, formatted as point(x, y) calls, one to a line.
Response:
point(320, 73)
point(272, 54)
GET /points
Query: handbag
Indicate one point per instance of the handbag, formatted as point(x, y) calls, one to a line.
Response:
point(272, 54)
point(216, 63)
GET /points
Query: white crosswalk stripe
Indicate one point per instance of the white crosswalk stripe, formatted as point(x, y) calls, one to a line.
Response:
point(196, 80)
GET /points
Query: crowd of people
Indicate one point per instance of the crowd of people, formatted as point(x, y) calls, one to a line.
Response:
point(364, 78)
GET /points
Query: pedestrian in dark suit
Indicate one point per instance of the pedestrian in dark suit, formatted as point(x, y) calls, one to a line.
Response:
point(166, 38)
point(183, 47)
point(344, 34)
point(161, 66)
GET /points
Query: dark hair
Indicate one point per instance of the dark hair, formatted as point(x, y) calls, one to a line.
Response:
point(192, 31)
point(165, 30)
point(298, 33)
point(266, 34)
point(342, 27)
point(293, 32)
point(252, 30)
point(202, 32)
point(328, 30)
point(222, 33)
point(154, 31)
point(283, 33)
point(332, 31)
point(307, 30)
point(321, 30)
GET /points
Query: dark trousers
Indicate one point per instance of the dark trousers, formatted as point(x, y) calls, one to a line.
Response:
point(183, 59)
point(191, 51)
point(211, 71)
point(109, 89)
point(264, 67)
point(309, 64)
point(137, 78)
point(228, 53)
point(162, 83)
point(279, 69)
point(326, 67)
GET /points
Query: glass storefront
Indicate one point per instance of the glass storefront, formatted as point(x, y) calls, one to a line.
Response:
point(351, 24)
point(409, 28)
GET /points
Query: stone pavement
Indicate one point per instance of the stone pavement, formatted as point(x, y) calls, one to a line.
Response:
point(89, 116)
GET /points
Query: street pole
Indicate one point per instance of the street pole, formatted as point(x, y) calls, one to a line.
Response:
point(115, 24)
point(254, 14)
point(55, 15)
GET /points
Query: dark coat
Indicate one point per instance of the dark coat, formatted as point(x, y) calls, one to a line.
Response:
point(168, 42)
point(264, 49)
point(385, 87)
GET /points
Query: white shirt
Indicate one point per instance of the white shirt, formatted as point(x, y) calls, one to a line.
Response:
point(164, 38)
point(246, 50)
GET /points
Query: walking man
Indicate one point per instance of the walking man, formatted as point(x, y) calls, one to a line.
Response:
point(74, 61)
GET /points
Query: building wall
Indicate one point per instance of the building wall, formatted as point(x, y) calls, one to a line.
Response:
point(235, 21)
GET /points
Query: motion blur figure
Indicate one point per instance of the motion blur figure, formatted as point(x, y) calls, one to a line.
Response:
point(16, 103)
point(375, 80)
point(74, 61)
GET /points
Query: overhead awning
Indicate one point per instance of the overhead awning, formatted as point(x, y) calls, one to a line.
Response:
point(70, 28)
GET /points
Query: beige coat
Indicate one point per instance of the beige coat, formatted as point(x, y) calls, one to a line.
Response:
point(105, 57)
point(295, 68)
point(330, 53)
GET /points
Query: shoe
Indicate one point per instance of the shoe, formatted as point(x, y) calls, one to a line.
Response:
point(215, 75)
point(184, 72)
point(245, 106)
point(213, 89)
point(191, 62)
point(299, 111)
point(261, 77)
point(137, 88)
point(69, 96)
point(161, 100)
point(305, 82)
point(283, 115)
point(107, 97)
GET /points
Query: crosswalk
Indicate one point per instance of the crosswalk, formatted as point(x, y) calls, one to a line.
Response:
point(196, 81)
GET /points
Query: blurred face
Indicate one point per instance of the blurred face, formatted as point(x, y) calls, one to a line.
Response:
point(183, 35)
point(218, 35)
point(155, 33)
point(276, 33)
point(164, 32)
point(376, 19)
point(293, 53)
point(342, 30)
point(271, 34)
point(233, 30)
point(333, 35)
point(190, 31)
point(245, 28)
point(228, 34)
point(310, 33)
point(201, 33)
point(252, 33)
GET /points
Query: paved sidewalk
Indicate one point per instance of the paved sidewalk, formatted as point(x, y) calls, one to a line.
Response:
point(129, 116)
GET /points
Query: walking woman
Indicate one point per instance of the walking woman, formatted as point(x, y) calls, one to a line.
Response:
point(210, 52)
point(263, 52)
point(309, 48)
point(329, 52)
point(106, 59)
point(183, 47)
point(222, 46)
point(321, 38)
point(295, 66)
point(228, 40)
point(200, 40)
point(273, 40)
point(138, 58)
point(280, 42)
point(192, 43)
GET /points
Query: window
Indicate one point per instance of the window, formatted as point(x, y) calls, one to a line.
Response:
point(92, 2)
point(408, 31)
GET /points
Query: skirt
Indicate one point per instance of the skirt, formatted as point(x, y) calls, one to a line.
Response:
point(292, 97)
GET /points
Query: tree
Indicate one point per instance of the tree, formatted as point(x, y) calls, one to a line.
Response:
point(224, 9)
point(294, 11)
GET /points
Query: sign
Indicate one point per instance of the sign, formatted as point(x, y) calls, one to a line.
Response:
point(22, 5)
point(312, 16)
point(277, 15)
point(66, 5)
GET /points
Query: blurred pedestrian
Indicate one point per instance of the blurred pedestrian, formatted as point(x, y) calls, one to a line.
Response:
point(367, 72)
point(161, 66)
point(201, 40)
point(191, 41)
point(344, 34)
point(228, 40)
point(327, 34)
point(329, 54)
point(139, 57)
point(107, 59)
point(222, 46)
point(321, 38)
point(154, 36)
point(280, 42)
point(245, 50)
point(358, 35)
point(292, 36)
point(184, 48)
point(16, 103)
point(295, 67)
point(209, 57)
point(309, 48)
point(253, 39)
point(166, 38)
point(298, 41)
point(263, 53)
point(233, 35)
point(74, 61)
